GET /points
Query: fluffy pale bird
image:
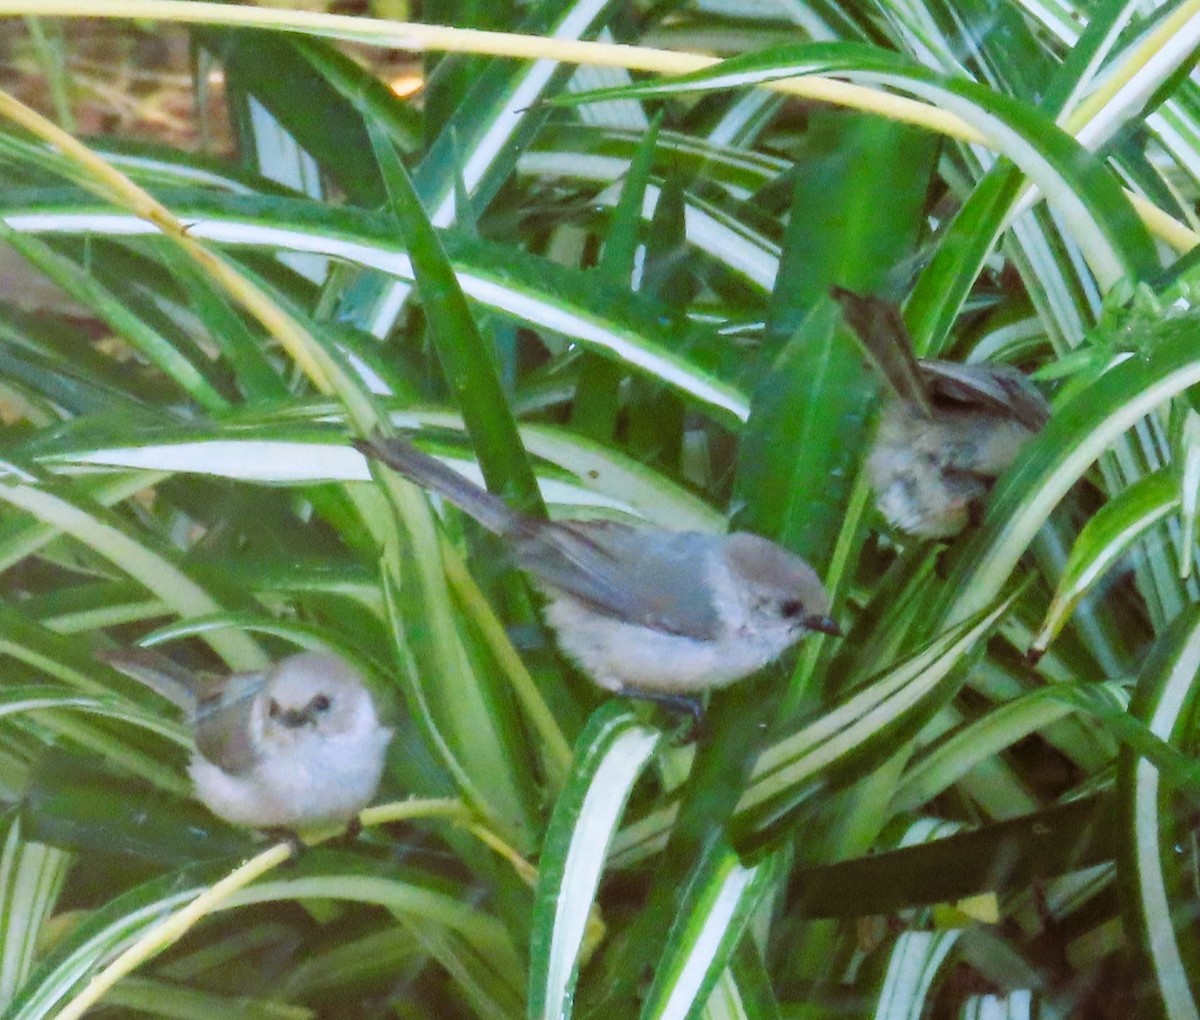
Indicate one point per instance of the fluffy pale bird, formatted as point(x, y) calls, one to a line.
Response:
point(947, 430)
point(645, 612)
point(294, 746)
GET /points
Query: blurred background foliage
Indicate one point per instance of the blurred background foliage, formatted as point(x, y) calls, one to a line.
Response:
point(572, 272)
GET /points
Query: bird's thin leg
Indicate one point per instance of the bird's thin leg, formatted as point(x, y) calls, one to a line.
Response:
point(675, 705)
point(288, 836)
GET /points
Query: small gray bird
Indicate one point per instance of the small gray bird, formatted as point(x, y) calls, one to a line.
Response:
point(645, 612)
point(295, 746)
point(947, 430)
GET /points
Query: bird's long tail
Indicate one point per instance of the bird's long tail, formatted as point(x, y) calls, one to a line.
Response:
point(883, 335)
point(429, 473)
point(162, 675)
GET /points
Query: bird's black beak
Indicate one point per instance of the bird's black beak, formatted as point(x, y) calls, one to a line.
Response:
point(825, 624)
point(293, 719)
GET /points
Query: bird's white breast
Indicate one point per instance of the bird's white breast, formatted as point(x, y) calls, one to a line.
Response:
point(620, 655)
point(315, 780)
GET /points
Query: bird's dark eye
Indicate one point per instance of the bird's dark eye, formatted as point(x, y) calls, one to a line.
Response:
point(791, 608)
point(320, 703)
point(273, 709)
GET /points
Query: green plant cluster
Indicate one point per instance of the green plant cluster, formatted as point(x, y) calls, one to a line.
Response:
point(609, 290)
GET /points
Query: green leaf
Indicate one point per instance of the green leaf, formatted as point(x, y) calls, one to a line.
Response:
point(468, 363)
point(999, 857)
point(611, 753)
point(1108, 536)
point(1079, 430)
point(271, 71)
point(594, 412)
point(858, 733)
point(125, 829)
point(321, 874)
point(480, 143)
point(157, 569)
point(637, 332)
point(178, 359)
point(177, 1002)
point(1097, 214)
point(720, 901)
point(912, 966)
point(1157, 885)
point(576, 473)
point(31, 878)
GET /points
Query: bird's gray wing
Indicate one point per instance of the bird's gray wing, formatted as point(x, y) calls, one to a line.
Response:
point(654, 578)
point(1000, 389)
point(883, 335)
point(217, 707)
point(606, 565)
point(222, 723)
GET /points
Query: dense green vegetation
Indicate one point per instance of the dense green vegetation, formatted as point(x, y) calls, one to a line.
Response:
point(613, 285)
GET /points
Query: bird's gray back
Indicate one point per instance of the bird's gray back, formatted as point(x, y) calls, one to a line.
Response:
point(997, 389)
point(655, 578)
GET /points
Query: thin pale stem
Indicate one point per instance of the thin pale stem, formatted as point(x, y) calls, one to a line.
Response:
point(108, 182)
point(443, 39)
point(171, 929)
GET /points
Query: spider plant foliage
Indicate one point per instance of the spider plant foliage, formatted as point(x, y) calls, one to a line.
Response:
point(607, 292)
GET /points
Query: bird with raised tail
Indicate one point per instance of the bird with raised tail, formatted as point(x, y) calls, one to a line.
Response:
point(295, 746)
point(947, 430)
point(645, 612)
